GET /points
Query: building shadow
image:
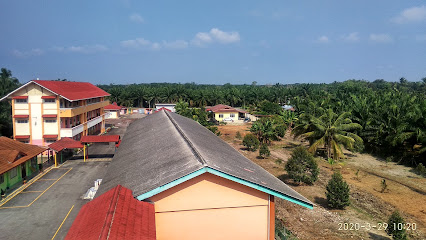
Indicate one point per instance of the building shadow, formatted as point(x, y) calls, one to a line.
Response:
point(378, 237)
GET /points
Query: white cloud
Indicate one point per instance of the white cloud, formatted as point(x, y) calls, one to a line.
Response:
point(141, 43)
point(86, 49)
point(224, 37)
point(178, 44)
point(136, 18)
point(381, 38)
point(135, 43)
point(323, 39)
point(215, 35)
point(351, 37)
point(414, 14)
point(156, 46)
point(24, 54)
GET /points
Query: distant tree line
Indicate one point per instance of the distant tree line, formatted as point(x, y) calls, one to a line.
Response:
point(389, 117)
point(7, 85)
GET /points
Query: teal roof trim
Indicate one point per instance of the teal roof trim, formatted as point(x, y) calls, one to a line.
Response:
point(226, 176)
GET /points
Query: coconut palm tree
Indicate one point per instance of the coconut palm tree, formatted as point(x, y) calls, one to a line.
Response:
point(331, 131)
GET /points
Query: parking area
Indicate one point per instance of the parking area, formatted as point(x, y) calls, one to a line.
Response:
point(47, 207)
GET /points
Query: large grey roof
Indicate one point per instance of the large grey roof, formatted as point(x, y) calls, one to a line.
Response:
point(163, 147)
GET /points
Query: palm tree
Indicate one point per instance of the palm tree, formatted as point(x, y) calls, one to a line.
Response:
point(331, 131)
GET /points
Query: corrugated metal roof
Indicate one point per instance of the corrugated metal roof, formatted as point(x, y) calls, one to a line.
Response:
point(164, 147)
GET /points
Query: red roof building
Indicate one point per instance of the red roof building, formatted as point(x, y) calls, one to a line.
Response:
point(72, 91)
point(223, 112)
point(58, 109)
point(116, 214)
point(113, 110)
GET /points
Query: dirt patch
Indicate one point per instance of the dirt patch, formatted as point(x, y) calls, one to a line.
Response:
point(369, 206)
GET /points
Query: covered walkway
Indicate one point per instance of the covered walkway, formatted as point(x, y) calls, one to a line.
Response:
point(69, 143)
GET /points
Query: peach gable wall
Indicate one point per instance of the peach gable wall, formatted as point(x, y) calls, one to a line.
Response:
point(211, 207)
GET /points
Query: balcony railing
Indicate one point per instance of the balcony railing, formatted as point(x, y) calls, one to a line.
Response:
point(71, 132)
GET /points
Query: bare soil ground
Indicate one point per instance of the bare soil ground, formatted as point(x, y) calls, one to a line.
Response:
point(369, 207)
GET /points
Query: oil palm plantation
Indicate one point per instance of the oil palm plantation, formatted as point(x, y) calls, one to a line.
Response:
point(331, 131)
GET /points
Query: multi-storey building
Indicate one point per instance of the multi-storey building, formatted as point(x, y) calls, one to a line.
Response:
point(44, 111)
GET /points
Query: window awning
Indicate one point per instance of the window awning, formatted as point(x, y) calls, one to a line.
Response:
point(20, 116)
point(50, 136)
point(49, 115)
point(48, 97)
point(20, 97)
point(22, 137)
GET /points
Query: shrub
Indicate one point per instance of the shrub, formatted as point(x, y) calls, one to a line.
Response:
point(337, 192)
point(302, 167)
point(251, 142)
point(214, 130)
point(264, 151)
point(280, 130)
point(421, 169)
point(396, 226)
point(238, 135)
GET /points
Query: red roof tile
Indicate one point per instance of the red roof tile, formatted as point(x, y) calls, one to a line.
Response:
point(20, 116)
point(65, 143)
point(113, 106)
point(115, 214)
point(8, 153)
point(165, 109)
point(223, 108)
point(101, 138)
point(72, 90)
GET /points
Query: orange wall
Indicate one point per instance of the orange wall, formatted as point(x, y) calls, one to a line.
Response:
point(210, 207)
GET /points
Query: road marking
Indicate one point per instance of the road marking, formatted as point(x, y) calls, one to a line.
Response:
point(47, 179)
point(13, 207)
point(14, 194)
point(63, 222)
point(49, 187)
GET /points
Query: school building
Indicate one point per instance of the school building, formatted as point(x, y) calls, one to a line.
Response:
point(45, 111)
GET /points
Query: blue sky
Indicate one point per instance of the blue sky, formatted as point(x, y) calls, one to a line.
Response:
point(213, 42)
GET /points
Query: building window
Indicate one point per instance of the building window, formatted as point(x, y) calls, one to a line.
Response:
point(34, 162)
point(220, 115)
point(24, 141)
point(13, 173)
point(50, 140)
point(21, 100)
point(232, 115)
point(22, 121)
point(50, 120)
point(49, 100)
point(1, 179)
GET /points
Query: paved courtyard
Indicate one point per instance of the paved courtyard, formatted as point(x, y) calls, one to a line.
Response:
point(49, 205)
point(46, 207)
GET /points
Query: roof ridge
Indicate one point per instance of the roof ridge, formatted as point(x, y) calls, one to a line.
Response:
point(191, 146)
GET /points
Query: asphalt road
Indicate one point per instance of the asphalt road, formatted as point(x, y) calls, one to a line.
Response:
point(38, 211)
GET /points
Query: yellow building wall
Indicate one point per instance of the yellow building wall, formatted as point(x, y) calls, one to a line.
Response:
point(22, 128)
point(83, 109)
point(210, 207)
point(226, 115)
